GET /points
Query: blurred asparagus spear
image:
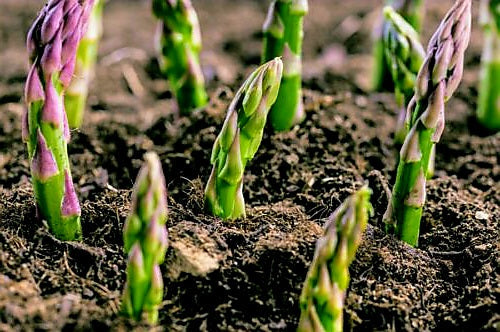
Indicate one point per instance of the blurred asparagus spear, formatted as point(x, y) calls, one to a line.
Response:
point(437, 80)
point(488, 111)
point(322, 298)
point(179, 43)
point(75, 97)
point(283, 33)
point(52, 42)
point(145, 239)
point(404, 55)
point(412, 11)
point(239, 140)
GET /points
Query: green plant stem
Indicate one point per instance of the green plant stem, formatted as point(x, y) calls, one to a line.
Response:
point(283, 34)
point(327, 280)
point(239, 140)
point(179, 44)
point(412, 11)
point(75, 98)
point(145, 239)
point(437, 80)
point(488, 111)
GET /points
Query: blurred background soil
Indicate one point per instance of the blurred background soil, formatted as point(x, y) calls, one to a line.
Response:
point(247, 275)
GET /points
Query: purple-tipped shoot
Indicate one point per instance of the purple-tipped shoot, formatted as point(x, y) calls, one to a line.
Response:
point(145, 240)
point(437, 80)
point(51, 44)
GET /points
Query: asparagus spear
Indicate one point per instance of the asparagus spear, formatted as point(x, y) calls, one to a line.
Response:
point(322, 297)
point(179, 44)
point(283, 33)
point(75, 97)
point(239, 140)
point(145, 238)
point(412, 11)
point(404, 55)
point(488, 111)
point(52, 42)
point(437, 80)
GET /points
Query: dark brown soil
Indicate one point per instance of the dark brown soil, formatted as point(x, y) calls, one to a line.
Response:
point(247, 275)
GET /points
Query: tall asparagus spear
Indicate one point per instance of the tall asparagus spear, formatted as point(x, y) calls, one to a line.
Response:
point(488, 111)
point(179, 43)
point(404, 55)
point(412, 11)
point(322, 298)
point(75, 97)
point(145, 240)
point(52, 42)
point(437, 80)
point(239, 140)
point(283, 33)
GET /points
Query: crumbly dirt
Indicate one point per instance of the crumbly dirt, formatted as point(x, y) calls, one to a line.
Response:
point(247, 275)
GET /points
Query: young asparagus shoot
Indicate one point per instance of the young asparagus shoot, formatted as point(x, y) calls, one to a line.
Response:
point(437, 80)
point(412, 11)
point(145, 240)
point(404, 55)
point(239, 140)
point(52, 42)
point(322, 298)
point(179, 45)
point(75, 97)
point(488, 108)
point(283, 33)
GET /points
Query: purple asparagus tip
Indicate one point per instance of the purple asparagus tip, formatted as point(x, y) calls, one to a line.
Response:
point(67, 72)
point(135, 257)
point(70, 206)
point(72, 19)
point(51, 23)
point(53, 108)
point(156, 278)
point(51, 58)
point(43, 164)
point(33, 90)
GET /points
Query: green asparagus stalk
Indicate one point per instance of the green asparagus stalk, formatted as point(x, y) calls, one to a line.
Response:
point(488, 111)
point(437, 80)
point(145, 239)
point(283, 33)
point(404, 55)
point(322, 298)
point(239, 140)
point(52, 42)
point(412, 11)
point(75, 97)
point(179, 44)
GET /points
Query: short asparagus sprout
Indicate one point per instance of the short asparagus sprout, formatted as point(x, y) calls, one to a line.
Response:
point(239, 140)
point(412, 11)
point(404, 55)
point(75, 97)
point(283, 33)
point(52, 42)
point(322, 298)
point(488, 111)
point(437, 80)
point(145, 240)
point(179, 45)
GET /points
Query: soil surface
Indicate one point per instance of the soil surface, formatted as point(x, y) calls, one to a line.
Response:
point(247, 275)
